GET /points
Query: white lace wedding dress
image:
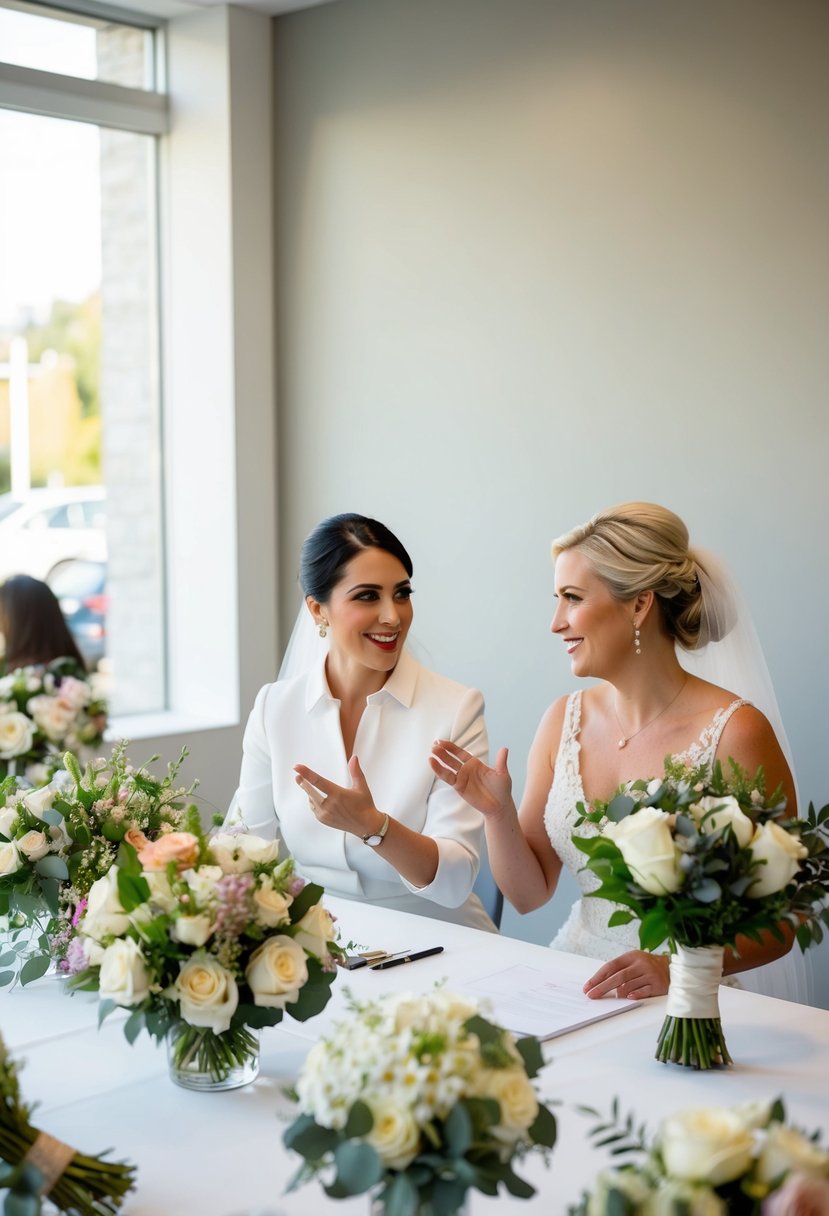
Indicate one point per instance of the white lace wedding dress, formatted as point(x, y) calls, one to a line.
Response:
point(586, 930)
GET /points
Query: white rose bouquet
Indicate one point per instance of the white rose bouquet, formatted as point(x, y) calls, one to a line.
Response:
point(206, 941)
point(57, 840)
point(713, 1161)
point(420, 1098)
point(699, 859)
point(46, 711)
point(33, 1164)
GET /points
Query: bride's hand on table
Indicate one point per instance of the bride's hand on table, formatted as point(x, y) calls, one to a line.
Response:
point(488, 790)
point(635, 975)
point(348, 810)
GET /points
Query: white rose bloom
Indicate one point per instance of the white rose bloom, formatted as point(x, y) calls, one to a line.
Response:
point(786, 1149)
point(33, 845)
point(782, 852)
point(276, 972)
point(93, 951)
point(37, 773)
point(726, 812)
point(207, 993)
point(38, 801)
point(671, 1197)
point(271, 906)
point(8, 821)
point(395, 1135)
point(202, 882)
point(11, 859)
point(17, 734)
point(161, 893)
point(192, 930)
point(104, 913)
point(76, 693)
point(123, 976)
point(513, 1092)
point(315, 931)
point(237, 854)
point(644, 839)
point(51, 717)
point(706, 1145)
point(630, 1184)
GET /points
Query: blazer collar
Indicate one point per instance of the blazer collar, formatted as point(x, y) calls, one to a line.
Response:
point(399, 687)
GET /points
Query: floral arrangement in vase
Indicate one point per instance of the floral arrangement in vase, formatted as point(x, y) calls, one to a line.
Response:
point(418, 1098)
point(46, 711)
point(206, 941)
point(57, 840)
point(699, 859)
point(33, 1164)
point(712, 1161)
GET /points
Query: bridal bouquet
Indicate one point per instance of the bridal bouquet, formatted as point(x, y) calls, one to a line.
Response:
point(56, 841)
point(33, 1163)
point(714, 1161)
point(419, 1098)
point(699, 859)
point(205, 941)
point(45, 711)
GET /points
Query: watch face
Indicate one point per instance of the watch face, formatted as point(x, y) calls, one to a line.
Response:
point(373, 840)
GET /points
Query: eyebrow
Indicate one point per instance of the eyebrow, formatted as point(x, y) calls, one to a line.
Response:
point(404, 582)
point(570, 587)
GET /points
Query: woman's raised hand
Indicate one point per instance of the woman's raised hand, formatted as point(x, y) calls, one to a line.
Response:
point(488, 790)
point(350, 810)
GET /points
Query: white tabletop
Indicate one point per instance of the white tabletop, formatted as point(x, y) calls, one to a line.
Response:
point(222, 1154)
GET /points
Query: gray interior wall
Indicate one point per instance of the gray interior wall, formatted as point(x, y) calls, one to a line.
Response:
point(538, 257)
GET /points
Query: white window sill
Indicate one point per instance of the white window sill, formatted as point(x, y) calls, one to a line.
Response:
point(158, 725)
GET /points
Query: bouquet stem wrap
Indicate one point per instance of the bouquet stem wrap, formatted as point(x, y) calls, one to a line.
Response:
point(691, 1033)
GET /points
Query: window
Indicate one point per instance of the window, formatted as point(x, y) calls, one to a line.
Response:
point(80, 426)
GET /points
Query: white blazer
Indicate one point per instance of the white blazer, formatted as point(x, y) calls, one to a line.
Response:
point(297, 721)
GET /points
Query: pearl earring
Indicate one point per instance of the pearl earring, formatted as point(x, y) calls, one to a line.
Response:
point(323, 629)
point(636, 642)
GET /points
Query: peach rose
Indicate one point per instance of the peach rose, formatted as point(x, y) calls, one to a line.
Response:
point(136, 838)
point(179, 847)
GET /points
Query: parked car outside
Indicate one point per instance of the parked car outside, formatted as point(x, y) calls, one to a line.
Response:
point(80, 589)
point(49, 527)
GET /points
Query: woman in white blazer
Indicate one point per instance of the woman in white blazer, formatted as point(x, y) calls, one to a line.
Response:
point(336, 758)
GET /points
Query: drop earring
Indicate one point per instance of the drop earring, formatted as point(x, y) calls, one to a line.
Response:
point(323, 629)
point(636, 642)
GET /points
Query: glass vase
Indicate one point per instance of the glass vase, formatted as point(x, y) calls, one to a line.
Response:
point(199, 1059)
point(424, 1208)
point(691, 1034)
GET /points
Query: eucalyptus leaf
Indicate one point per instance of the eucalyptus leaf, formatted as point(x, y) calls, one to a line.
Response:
point(50, 815)
point(34, 968)
point(706, 891)
point(458, 1129)
point(620, 807)
point(359, 1167)
point(530, 1051)
point(360, 1121)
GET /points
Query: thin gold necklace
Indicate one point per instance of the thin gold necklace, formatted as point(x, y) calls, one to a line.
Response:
point(625, 739)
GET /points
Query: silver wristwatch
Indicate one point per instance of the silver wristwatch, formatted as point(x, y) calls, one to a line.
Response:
point(375, 838)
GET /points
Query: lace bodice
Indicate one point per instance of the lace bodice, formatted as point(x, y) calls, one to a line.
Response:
point(586, 930)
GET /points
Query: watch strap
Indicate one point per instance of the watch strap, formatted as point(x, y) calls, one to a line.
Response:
point(375, 838)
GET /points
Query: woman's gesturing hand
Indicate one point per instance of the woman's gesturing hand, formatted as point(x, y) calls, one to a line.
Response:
point(635, 975)
point(349, 810)
point(489, 790)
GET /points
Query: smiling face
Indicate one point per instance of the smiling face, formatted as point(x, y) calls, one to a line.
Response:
point(369, 613)
point(596, 628)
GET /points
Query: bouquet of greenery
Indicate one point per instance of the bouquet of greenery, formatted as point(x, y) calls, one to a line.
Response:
point(33, 1163)
point(699, 859)
point(46, 711)
point(56, 841)
point(420, 1098)
point(206, 941)
point(713, 1161)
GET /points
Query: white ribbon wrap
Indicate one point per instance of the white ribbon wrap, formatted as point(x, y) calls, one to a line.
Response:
point(695, 980)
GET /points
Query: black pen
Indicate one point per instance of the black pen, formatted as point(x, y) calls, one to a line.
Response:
point(408, 958)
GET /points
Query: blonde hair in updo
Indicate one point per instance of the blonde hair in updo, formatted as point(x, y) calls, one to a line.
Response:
point(640, 546)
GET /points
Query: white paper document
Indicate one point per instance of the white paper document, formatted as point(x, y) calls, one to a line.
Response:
point(530, 1002)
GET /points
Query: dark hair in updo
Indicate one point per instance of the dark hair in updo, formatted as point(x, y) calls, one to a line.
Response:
point(332, 545)
point(641, 546)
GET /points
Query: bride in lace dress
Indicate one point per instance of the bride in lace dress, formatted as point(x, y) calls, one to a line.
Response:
point(633, 598)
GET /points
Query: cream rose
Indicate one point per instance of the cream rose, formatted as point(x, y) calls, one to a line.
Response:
point(785, 1149)
point(782, 853)
point(207, 993)
point(192, 930)
point(726, 813)
point(51, 717)
point(74, 693)
point(17, 734)
point(104, 913)
point(511, 1089)
point(271, 906)
point(644, 839)
point(395, 1135)
point(33, 845)
point(237, 853)
point(123, 976)
point(11, 859)
point(706, 1145)
point(38, 801)
point(182, 848)
point(8, 821)
point(315, 931)
point(276, 972)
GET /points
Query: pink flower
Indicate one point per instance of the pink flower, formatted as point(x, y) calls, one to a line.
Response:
point(800, 1195)
point(180, 847)
point(136, 838)
point(295, 885)
point(78, 913)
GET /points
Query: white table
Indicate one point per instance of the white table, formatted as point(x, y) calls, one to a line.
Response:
point(222, 1154)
